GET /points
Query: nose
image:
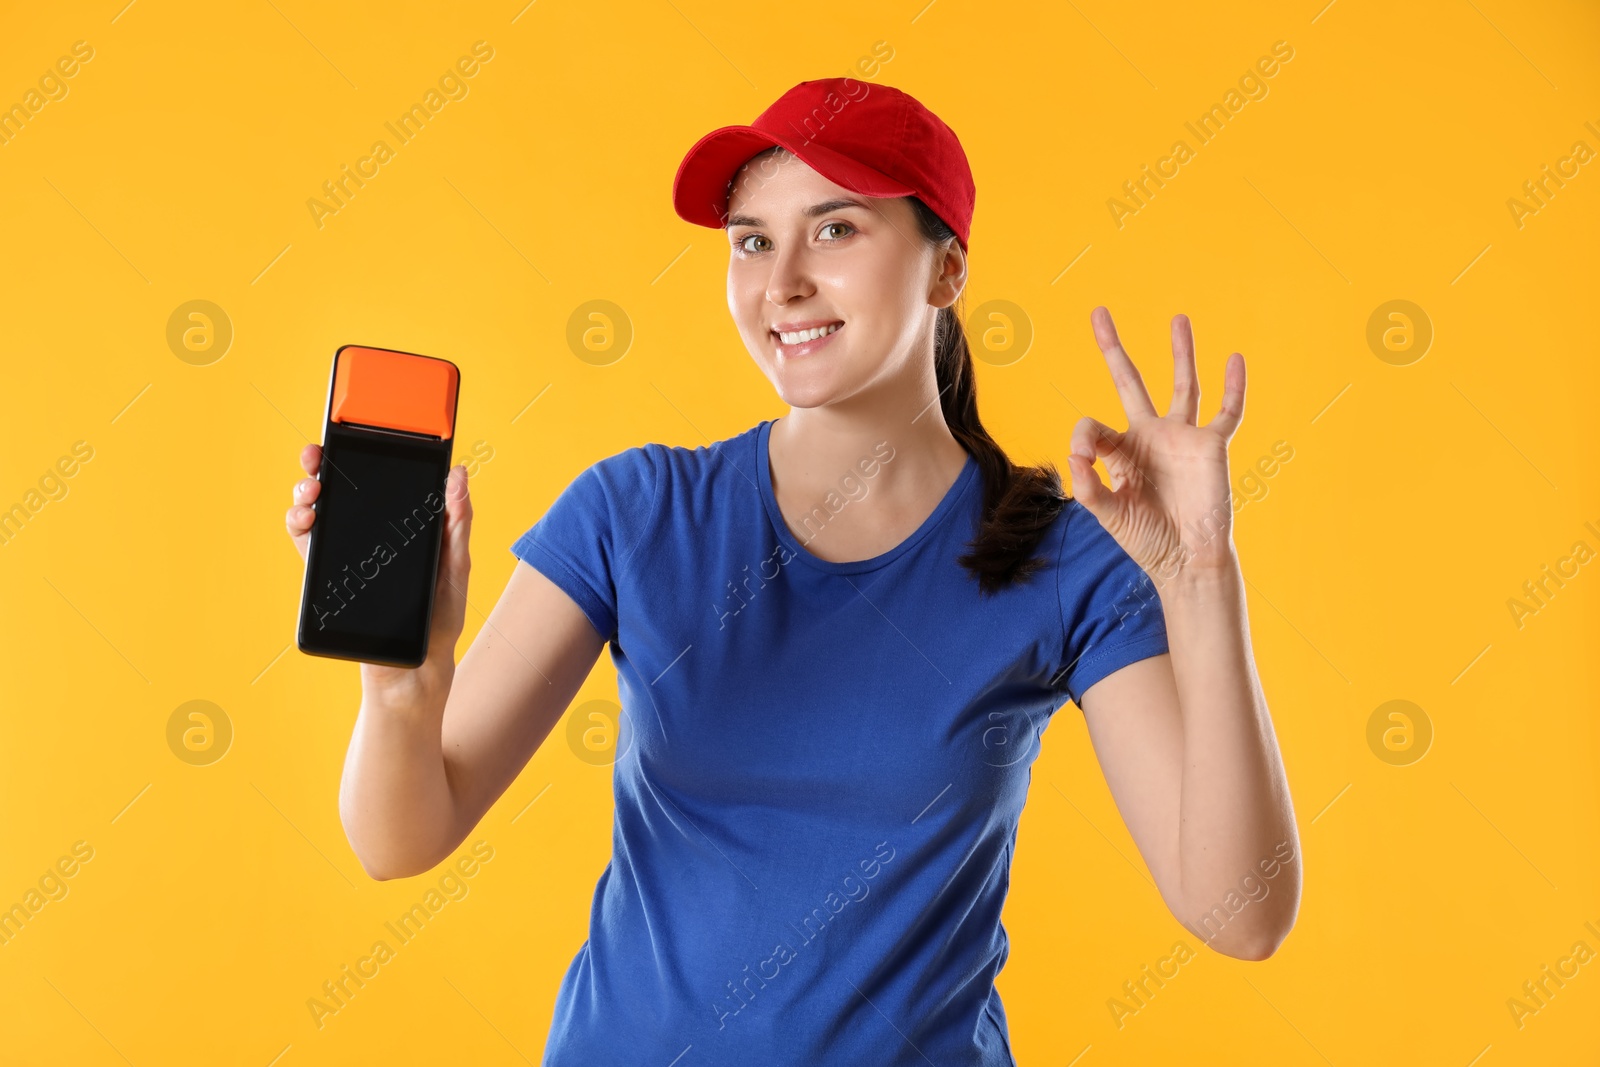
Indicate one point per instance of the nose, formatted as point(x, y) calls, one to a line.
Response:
point(789, 279)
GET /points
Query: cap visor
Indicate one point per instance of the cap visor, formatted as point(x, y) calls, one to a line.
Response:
point(700, 188)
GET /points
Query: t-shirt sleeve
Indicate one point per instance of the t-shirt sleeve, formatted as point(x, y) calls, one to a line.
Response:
point(1110, 610)
point(584, 540)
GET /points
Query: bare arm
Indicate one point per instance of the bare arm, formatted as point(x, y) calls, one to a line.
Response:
point(1187, 747)
point(419, 775)
point(1185, 739)
point(433, 748)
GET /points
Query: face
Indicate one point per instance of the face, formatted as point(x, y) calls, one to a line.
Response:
point(805, 252)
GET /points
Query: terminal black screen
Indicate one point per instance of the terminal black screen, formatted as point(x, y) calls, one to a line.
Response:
point(373, 560)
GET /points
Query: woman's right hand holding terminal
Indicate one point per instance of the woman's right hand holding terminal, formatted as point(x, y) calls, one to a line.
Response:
point(433, 748)
point(429, 684)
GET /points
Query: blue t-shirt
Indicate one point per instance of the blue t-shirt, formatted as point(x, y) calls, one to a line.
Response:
point(823, 764)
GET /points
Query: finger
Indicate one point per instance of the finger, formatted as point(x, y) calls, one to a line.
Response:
point(458, 521)
point(298, 520)
point(311, 459)
point(306, 490)
point(1185, 383)
point(1091, 438)
point(1232, 410)
point(301, 515)
point(456, 561)
point(1130, 385)
point(1088, 489)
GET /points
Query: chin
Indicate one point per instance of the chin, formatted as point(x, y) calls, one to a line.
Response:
point(812, 382)
point(805, 396)
point(803, 385)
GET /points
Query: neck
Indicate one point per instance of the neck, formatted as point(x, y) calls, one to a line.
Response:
point(821, 450)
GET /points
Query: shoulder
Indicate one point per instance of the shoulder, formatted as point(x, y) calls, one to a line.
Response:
point(636, 481)
point(622, 477)
point(686, 465)
point(1081, 534)
point(1110, 610)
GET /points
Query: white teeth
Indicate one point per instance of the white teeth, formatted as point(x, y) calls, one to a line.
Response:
point(801, 336)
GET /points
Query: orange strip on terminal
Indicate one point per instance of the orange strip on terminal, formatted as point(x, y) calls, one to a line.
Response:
point(395, 390)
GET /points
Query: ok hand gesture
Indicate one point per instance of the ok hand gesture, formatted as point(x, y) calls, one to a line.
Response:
point(1169, 504)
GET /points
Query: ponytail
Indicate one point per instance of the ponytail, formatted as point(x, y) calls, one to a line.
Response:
point(1019, 503)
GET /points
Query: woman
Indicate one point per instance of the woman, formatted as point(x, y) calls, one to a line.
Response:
point(837, 637)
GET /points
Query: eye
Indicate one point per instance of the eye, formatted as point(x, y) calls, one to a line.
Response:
point(742, 245)
point(744, 248)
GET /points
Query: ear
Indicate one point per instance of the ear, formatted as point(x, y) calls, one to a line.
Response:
point(949, 273)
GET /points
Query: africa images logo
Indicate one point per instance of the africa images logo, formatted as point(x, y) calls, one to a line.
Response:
point(812, 926)
point(452, 85)
point(382, 553)
point(852, 488)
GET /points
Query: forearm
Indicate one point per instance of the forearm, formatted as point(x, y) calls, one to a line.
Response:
point(395, 799)
point(1235, 816)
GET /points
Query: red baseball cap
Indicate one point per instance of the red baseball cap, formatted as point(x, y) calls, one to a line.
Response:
point(872, 139)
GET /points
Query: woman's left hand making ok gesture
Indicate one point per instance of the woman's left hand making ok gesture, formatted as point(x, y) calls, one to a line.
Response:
point(1170, 503)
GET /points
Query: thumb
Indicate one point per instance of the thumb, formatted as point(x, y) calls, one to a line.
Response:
point(455, 560)
point(450, 590)
point(458, 515)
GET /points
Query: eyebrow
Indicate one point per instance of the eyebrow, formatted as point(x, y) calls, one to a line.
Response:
point(814, 210)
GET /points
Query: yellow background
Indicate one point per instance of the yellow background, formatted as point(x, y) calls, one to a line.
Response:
point(1380, 561)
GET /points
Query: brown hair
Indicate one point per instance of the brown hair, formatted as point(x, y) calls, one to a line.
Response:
point(1019, 503)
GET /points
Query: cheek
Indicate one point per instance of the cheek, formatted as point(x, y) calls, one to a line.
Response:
point(884, 292)
point(738, 298)
point(890, 321)
point(744, 303)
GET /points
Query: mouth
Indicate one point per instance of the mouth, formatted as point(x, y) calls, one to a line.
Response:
point(791, 344)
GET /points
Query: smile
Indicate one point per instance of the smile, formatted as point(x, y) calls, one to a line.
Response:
point(805, 342)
